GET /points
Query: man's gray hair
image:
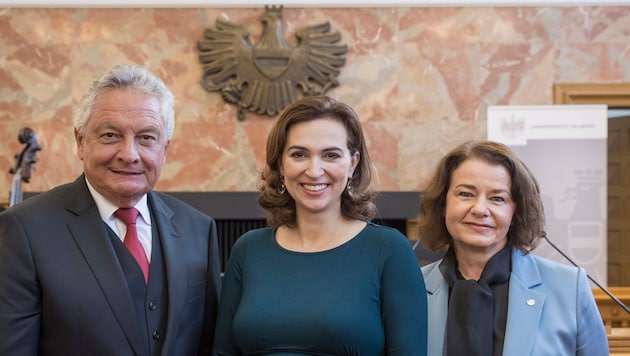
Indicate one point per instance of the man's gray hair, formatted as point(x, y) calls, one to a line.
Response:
point(131, 76)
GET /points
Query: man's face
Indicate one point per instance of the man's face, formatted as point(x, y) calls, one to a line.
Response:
point(124, 147)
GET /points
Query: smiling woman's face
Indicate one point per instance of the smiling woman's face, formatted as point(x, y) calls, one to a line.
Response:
point(316, 164)
point(479, 207)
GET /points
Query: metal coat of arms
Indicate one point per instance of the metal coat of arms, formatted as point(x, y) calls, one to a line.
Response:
point(265, 77)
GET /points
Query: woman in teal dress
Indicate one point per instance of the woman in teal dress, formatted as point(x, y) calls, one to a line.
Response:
point(322, 279)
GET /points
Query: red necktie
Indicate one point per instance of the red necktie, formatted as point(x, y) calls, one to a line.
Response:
point(129, 216)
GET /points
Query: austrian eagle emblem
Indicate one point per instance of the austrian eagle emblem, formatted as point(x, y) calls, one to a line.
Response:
point(267, 76)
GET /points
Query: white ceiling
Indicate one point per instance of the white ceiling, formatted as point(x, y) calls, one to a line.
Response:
point(299, 3)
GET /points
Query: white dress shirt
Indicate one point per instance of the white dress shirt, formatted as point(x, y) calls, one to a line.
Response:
point(143, 225)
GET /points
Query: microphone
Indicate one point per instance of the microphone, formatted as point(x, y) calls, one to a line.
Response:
point(615, 299)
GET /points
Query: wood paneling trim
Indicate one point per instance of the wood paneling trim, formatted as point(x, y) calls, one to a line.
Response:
point(615, 95)
point(613, 315)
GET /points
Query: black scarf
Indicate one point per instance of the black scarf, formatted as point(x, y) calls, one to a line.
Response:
point(471, 319)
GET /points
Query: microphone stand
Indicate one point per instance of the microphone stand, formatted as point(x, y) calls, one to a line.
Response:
point(615, 299)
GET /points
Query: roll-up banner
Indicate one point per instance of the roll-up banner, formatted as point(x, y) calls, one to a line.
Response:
point(565, 147)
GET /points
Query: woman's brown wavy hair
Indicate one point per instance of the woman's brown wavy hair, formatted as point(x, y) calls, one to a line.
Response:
point(528, 221)
point(280, 208)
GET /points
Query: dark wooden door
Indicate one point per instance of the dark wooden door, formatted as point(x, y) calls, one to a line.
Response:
point(619, 201)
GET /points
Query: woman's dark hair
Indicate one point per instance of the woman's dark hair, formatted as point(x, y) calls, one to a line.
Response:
point(356, 202)
point(528, 221)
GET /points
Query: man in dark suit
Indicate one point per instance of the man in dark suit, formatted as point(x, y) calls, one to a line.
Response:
point(69, 285)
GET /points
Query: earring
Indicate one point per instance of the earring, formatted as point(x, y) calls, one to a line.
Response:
point(282, 188)
point(349, 186)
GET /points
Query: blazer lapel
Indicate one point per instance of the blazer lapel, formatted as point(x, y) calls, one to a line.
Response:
point(525, 305)
point(437, 298)
point(174, 264)
point(90, 234)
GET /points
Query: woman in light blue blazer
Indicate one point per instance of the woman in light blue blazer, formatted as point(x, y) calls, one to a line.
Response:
point(488, 296)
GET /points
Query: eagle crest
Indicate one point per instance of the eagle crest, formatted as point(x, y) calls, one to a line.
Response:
point(265, 77)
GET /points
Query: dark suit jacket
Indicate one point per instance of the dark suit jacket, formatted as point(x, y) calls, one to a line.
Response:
point(63, 292)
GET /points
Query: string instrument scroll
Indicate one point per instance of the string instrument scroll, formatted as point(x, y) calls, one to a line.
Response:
point(24, 160)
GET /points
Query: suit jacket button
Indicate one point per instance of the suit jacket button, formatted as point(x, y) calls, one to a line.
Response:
point(156, 335)
point(152, 306)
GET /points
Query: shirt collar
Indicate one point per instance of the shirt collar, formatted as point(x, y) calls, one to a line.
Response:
point(107, 209)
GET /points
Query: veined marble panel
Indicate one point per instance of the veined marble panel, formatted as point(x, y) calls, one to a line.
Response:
point(420, 78)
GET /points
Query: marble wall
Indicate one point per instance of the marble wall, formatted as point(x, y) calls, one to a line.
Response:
point(421, 79)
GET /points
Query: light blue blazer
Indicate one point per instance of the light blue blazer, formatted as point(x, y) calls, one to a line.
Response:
point(551, 310)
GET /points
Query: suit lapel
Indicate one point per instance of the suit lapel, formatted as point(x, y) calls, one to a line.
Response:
point(90, 234)
point(437, 298)
point(525, 305)
point(174, 264)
